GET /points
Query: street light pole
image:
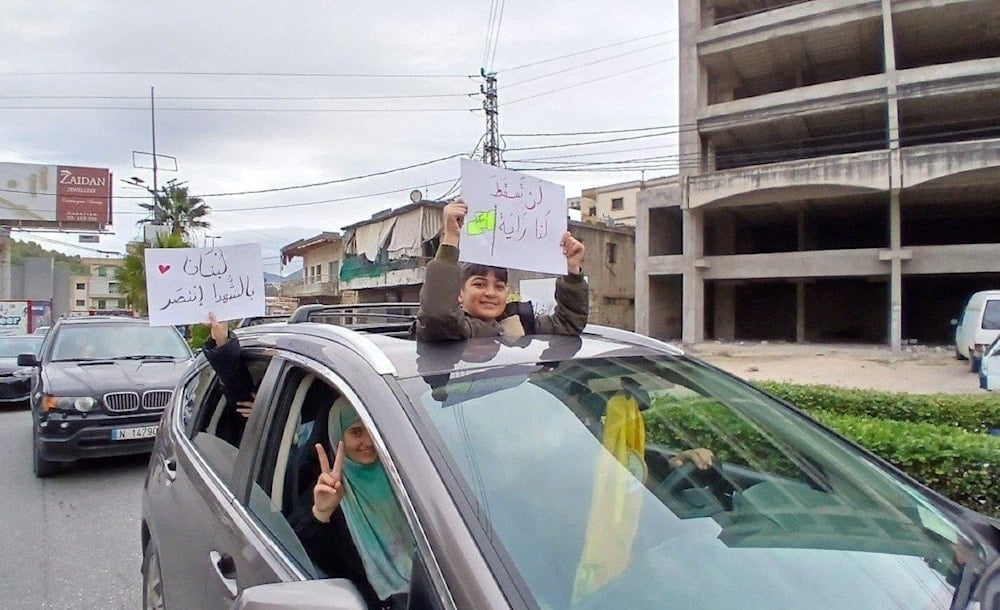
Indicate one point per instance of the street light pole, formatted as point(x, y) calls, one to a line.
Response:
point(152, 116)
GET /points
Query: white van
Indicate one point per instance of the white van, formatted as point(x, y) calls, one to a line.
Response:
point(989, 370)
point(978, 326)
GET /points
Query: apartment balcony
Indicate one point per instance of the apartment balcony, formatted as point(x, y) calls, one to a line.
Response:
point(358, 274)
point(316, 286)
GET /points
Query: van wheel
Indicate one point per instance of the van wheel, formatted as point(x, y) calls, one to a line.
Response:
point(43, 468)
point(152, 579)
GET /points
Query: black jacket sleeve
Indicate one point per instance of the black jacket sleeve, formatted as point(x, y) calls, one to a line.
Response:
point(231, 369)
point(237, 385)
point(332, 550)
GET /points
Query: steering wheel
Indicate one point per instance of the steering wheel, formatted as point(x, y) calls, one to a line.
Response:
point(686, 476)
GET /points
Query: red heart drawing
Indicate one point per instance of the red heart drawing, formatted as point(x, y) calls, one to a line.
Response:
point(163, 268)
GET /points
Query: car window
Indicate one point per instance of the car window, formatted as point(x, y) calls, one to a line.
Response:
point(282, 493)
point(121, 341)
point(572, 482)
point(11, 347)
point(288, 467)
point(202, 399)
point(991, 315)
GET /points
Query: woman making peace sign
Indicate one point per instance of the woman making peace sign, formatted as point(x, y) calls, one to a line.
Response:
point(356, 529)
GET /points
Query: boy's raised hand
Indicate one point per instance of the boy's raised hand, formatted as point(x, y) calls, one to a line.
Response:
point(573, 250)
point(453, 218)
point(329, 488)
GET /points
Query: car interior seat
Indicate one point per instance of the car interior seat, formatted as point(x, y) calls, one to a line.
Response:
point(303, 465)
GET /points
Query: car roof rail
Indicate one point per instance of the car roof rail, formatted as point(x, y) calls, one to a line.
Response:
point(627, 336)
point(264, 319)
point(383, 318)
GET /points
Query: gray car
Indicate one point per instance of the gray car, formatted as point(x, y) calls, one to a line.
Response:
point(504, 458)
point(15, 380)
point(99, 387)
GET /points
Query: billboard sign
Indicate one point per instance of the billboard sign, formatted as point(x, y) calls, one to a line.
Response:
point(47, 195)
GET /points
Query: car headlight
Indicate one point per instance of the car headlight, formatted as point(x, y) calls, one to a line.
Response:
point(83, 404)
point(22, 373)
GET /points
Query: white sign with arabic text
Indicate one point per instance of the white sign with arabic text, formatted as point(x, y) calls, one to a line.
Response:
point(514, 220)
point(184, 284)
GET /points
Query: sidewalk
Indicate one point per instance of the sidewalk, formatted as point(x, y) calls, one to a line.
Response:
point(915, 369)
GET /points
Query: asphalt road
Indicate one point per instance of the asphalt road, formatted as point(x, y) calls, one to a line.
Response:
point(71, 541)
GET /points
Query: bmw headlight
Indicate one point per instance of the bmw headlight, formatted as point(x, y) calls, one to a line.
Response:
point(83, 404)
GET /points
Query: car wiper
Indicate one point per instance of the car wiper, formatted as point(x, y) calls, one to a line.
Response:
point(145, 357)
point(81, 360)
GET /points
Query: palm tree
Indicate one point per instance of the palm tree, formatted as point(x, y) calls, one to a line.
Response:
point(131, 275)
point(175, 209)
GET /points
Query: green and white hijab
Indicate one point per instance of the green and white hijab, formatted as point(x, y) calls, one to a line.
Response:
point(377, 525)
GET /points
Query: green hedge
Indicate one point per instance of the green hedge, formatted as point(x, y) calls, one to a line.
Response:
point(970, 412)
point(961, 465)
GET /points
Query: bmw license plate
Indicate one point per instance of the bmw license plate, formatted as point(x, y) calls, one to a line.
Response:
point(128, 434)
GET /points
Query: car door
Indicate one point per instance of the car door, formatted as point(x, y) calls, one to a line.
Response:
point(191, 485)
point(304, 391)
point(990, 368)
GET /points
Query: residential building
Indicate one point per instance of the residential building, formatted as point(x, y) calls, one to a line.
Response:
point(98, 292)
point(613, 204)
point(840, 172)
point(321, 255)
point(385, 256)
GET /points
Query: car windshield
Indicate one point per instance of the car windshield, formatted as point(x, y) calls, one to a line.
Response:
point(117, 341)
point(11, 347)
point(566, 469)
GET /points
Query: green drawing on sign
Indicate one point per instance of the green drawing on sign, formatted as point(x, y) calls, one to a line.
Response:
point(483, 222)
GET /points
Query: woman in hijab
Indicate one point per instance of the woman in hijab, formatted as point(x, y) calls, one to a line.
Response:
point(356, 529)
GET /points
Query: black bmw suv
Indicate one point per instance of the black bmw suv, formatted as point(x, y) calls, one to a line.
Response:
point(99, 387)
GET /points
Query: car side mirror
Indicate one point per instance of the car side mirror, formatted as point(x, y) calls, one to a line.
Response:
point(330, 594)
point(27, 360)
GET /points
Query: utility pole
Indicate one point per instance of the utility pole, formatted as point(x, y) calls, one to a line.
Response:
point(491, 150)
point(152, 117)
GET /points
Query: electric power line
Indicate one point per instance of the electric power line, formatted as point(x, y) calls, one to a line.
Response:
point(585, 51)
point(256, 98)
point(587, 82)
point(584, 65)
point(220, 73)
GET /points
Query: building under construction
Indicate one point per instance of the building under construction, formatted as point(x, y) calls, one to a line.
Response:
point(840, 172)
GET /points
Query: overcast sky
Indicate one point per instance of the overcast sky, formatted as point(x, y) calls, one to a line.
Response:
point(246, 99)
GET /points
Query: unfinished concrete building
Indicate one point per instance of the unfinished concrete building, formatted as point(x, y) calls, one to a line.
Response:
point(840, 172)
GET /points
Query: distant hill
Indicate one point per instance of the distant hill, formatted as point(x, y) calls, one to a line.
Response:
point(21, 249)
point(274, 278)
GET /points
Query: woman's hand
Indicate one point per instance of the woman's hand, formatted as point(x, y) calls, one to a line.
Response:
point(452, 219)
point(702, 458)
point(573, 250)
point(329, 489)
point(220, 330)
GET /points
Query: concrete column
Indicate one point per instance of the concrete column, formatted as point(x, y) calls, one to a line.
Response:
point(800, 287)
point(642, 297)
point(725, 311)
point(693, 86)
point(896, 274)
point(5, 262)
point(693, 326)
point(800, 312)
point(895, 183)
